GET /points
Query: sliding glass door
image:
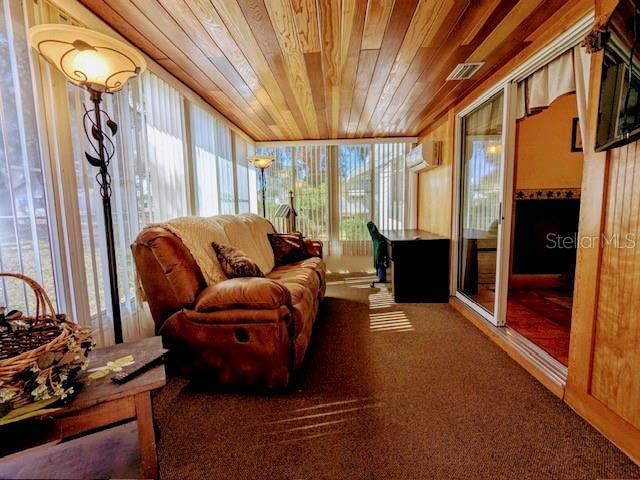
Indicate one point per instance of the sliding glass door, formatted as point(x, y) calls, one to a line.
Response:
point(480, 205)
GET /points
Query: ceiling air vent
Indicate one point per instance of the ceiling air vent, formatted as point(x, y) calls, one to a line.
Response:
point(464, 71)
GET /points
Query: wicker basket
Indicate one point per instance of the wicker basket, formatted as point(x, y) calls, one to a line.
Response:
point(41, 355)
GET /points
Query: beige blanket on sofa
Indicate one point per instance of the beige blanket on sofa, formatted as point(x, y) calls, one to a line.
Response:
point(197, 233)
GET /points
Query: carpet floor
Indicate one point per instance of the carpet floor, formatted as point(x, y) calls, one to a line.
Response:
point(386, 390)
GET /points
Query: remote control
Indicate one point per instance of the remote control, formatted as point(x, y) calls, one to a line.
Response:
point(127, 373)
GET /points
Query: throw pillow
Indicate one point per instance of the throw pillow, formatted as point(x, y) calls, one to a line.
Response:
point(287, 247)
point(235, 263)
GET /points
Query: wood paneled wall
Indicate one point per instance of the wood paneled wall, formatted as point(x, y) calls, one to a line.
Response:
point(616, 360)
point(435, 185)
point(603, 383)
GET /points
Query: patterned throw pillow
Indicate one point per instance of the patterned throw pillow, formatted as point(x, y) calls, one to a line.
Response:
point(235, 263)
point(287, 247)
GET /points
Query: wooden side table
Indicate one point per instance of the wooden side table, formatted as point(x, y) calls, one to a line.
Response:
point(101, 404)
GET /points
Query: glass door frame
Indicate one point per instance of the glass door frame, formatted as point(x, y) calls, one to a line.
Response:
point(503, 254)
point(508, 84)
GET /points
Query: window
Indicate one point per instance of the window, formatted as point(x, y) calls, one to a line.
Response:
point(226, 184)
point(389, 189)
point(213, 164)
point(149, 184)
point(25, 242)
point(204, 159)
point(355, 206)
point(370, 186)
point(246, 177)
point(165, 143)
point(303, 170)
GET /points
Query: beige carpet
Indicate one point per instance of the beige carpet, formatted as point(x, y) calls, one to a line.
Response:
point(417, 393)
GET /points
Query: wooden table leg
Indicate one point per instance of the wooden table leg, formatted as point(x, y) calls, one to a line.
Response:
point(146, 436)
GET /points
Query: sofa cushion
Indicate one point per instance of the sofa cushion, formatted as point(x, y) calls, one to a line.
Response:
point(298, 269)
point(306, 277)
point(257, 293)
point(235, 263)
point(287, 247)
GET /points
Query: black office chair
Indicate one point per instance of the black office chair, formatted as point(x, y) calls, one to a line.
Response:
point(380, 254)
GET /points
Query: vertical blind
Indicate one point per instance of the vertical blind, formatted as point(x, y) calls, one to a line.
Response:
point(138, 197)
point(370, 186)
point(226, 183)
point(246, 189)
point(355, 200)
point(204, 162)
point(25, 242)
point(222, 185)
point(302, 170)
point(151, 180)
point(481, 169)
point(165, 141)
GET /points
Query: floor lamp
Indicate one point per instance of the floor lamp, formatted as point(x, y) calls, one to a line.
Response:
point(100, 64)
point(262, 162)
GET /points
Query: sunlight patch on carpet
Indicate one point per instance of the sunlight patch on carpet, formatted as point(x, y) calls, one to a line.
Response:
point(389, 321)
point(381, 299)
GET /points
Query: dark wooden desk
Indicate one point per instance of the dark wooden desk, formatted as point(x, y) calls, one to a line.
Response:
point(420, 266)
point(100, 404)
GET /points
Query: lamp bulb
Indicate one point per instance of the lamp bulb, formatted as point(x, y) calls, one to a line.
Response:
point(91, 64)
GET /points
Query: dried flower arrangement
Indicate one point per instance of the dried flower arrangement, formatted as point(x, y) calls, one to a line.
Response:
point(40, 357)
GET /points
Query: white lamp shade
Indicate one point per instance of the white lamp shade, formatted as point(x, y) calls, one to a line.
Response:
point(87, 58)
point(261, 161)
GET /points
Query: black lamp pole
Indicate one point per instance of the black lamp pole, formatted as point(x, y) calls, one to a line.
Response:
point(103, 147)
point(264, 193)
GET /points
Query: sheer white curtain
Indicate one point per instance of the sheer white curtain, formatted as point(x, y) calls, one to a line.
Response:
point(566, 73)
point(25, 241)
point(582, 69)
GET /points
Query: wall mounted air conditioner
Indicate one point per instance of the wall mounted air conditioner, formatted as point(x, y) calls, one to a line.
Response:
point(426, 154)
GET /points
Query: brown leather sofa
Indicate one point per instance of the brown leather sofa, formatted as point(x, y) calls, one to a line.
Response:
point(241, 331)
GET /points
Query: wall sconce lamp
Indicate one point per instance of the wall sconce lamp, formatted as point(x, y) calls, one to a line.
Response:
point(100, 64)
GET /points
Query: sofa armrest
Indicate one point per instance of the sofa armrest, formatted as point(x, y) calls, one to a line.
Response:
point(313, 247)
point(243, 293)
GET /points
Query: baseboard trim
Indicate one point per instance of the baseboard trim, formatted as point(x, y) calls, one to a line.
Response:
point(544, 368)
point(620, 432)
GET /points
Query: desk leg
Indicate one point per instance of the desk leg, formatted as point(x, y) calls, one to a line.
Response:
point(146, 436)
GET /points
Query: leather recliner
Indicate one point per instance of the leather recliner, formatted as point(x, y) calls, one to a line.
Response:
point(240, 331)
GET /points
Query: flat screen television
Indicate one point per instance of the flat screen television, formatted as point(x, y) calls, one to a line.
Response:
point(619, 103)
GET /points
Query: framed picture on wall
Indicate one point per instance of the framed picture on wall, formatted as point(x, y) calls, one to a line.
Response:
point(576, 137)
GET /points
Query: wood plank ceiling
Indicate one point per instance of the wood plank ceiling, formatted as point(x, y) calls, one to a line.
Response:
point(309, 69)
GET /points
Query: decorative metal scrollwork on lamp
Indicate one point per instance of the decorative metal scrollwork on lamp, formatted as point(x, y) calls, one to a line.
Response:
point(262, 162)
point(100, 64)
